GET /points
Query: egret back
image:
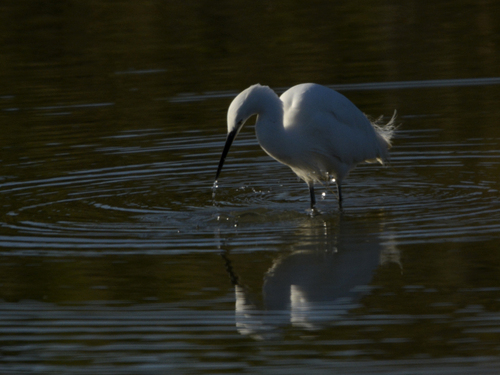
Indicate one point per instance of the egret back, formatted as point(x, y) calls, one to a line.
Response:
point(331, 129)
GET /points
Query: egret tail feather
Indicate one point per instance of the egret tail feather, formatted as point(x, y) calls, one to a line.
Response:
point(386, 132)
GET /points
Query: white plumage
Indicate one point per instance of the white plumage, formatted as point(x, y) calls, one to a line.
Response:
point(316, 131)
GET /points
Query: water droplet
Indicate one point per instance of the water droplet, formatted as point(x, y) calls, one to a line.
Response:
point(214, 188)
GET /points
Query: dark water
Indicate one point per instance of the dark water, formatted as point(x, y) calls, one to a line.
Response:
point(115, 258)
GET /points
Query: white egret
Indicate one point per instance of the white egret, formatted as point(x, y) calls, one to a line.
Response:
point(317, 132)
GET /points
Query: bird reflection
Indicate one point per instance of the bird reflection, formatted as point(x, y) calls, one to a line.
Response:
point(321, 278)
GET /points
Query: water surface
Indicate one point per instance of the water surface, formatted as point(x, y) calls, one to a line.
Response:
point(115, 258)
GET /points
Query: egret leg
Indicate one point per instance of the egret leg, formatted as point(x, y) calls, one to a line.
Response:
point(339, 192)
point(311, 193)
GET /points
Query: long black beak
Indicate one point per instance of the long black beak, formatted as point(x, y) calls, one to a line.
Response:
point(227, 146)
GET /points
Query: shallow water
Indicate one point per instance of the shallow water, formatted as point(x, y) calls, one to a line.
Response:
point(116, 257)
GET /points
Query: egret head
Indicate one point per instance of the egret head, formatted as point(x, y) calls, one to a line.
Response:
point(241, 109)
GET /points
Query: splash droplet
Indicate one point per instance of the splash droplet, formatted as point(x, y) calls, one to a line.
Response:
point(214, 189)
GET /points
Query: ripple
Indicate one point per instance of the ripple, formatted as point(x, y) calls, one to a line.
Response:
point(120, 339)
point(120, 208)
point(464, 82)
